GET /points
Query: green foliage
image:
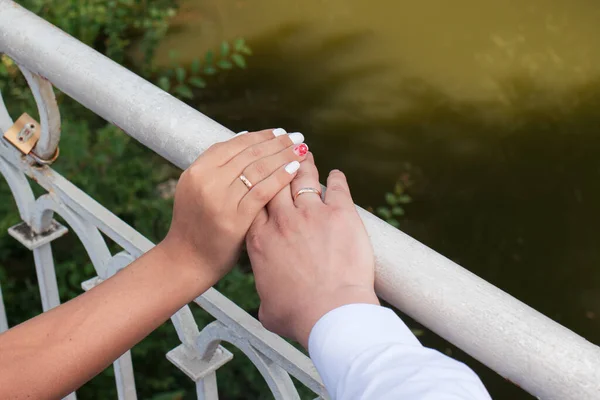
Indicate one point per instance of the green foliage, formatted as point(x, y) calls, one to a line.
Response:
point(113, 27)
point(395, 201)
point(124, 177)
point(182, 82)
point(12, 83)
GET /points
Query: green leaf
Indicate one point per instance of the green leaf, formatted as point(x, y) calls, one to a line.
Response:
point(398, 211)
point(239, 60)
point(197, 82)
point(404, 199)
point(210, 70)
point(225, 49)
point(180, 74)
point(239, 44)
point(390, 198)
point(384, 212)
point(164, 83)
point(225, 64)
point(245, 50)
point(394, 222)
point(209, 58)
point(173, 54)
point(195, 67)
point(399, 188)
point(184, 92)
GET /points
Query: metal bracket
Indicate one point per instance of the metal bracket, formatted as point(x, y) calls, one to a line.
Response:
point(91, 283)
point(24, 134)
point(197, 368)
point(28, 238)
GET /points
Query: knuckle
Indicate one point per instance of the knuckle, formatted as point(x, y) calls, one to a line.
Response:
point(195, 173)
point(261, 168)
point(254, 241)
point(310, 215)
point(304, 173)
point(306, 214)
point(283, 141)
point(338, 212)
point(337, 187)
point(261, 194)
point(259, 135)
point(281, 222)
point(255, 151)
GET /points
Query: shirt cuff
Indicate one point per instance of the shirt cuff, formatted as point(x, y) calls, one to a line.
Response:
point(347, 331)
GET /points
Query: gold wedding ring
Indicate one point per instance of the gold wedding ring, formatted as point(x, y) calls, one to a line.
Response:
point(246, 181)
point(307, 190)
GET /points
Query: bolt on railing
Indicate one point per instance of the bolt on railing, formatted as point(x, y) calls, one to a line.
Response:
point(519, 343)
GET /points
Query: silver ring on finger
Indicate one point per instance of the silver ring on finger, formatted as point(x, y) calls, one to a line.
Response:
point(307, 190)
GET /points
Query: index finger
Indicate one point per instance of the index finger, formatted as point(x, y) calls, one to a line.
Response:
point(307, 179)
point(338, 191)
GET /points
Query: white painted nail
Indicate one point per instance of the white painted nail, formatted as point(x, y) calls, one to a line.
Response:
point(279, 132)
point(297, 137)
point(242, 132)
point(292, 167)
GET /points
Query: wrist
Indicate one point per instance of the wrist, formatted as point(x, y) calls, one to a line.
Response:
point(321, 305)
point(185, 267)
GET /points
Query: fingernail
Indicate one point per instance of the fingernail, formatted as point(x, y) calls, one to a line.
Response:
point(242, 132)
point(296, 137)
point(279, 132)
point(292, 167)
point(301, 150)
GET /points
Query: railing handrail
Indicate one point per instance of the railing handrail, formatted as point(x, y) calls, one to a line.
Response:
point(519, 343)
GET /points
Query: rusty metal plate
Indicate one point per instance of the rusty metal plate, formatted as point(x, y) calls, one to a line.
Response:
point(24, 134)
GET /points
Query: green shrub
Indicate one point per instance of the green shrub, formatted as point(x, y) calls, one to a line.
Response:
point(123, 176)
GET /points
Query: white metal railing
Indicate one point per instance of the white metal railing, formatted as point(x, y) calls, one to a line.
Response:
point(199, 355)
point(524, 346)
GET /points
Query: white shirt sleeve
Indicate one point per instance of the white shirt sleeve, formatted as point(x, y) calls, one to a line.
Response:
point(366, 352)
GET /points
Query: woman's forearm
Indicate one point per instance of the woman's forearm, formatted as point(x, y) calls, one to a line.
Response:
point(56, 352)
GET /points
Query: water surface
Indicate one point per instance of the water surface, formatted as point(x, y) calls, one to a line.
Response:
point(490, 107)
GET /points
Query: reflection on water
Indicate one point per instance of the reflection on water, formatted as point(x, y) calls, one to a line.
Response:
point(494, 104)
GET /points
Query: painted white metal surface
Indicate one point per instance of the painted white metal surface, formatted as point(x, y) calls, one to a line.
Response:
point(274, 357)
point(519, 343)
point(3, 320)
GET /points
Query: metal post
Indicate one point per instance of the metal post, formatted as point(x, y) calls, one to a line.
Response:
point(44, 268)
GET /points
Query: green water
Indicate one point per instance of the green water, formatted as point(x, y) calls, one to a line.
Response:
point(492, 108)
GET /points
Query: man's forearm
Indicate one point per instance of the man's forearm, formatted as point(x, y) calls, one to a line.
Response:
point(56, 352)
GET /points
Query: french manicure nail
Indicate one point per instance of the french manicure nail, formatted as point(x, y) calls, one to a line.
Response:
point(292, 167)
point(242, 132)
point(279, 132)
point(296, 137)
point(301, 150)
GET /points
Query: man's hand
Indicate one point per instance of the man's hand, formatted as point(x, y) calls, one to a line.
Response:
point(310, 256)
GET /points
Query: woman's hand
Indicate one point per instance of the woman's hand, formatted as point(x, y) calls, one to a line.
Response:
point(310, 256)
point(214, 208)
point(54, 353)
